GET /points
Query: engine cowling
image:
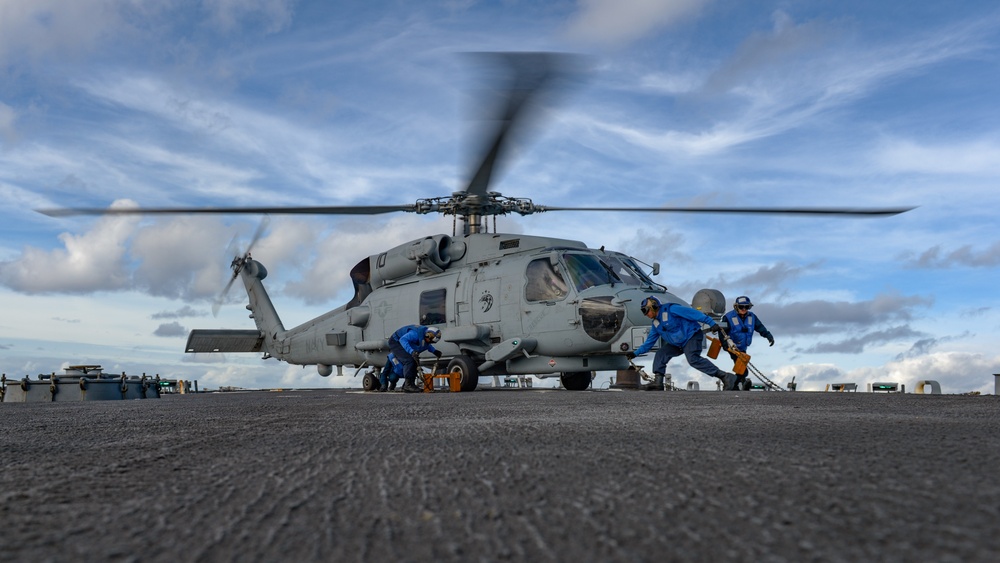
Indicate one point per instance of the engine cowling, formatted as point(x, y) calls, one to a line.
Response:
point(426, 255)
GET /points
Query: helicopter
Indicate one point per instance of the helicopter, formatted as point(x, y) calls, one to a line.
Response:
point(507, 304)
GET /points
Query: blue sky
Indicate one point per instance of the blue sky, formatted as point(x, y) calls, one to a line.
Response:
point(688, 102)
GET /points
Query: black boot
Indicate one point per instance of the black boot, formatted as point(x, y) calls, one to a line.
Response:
point(728, 380)
point(410, 387)
point(656, 385)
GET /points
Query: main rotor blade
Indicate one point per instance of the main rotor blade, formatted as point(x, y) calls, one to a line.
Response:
point(533, 74)
point(317, 210)
point(855, 211)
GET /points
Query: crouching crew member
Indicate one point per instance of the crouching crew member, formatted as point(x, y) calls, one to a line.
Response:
point(406, 344)
point(679, 329)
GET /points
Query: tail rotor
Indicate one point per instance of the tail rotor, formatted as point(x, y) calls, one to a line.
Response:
point(240, 260)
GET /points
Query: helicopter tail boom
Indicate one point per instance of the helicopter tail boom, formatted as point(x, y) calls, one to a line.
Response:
point(262, 310)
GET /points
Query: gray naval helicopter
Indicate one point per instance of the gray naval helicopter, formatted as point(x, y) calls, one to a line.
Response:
point(507, 304)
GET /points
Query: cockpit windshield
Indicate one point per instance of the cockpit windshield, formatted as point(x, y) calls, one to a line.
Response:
point(589, 270)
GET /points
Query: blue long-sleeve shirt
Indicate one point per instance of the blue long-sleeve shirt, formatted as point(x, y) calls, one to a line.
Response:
point(411, 338)
point(675, 324)
point(741, 329)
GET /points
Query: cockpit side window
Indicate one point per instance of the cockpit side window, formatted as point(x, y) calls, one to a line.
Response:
point(545, 281)
point(432, 307)
point(624, 273)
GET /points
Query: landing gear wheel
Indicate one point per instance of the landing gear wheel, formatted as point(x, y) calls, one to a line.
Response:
point(576, 380)
point(370, 382)
point(470, 374)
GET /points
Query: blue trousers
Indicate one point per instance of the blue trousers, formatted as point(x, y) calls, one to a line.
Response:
point(691, 350)
point(405, 360)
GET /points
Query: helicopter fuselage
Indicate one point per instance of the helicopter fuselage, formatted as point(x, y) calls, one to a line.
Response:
point(511, 304)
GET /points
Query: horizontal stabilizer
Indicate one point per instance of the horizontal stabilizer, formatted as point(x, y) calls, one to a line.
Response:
point(205, 340)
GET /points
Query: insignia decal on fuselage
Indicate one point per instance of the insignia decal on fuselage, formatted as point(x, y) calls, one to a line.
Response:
point(382, 309)
point(486, 301)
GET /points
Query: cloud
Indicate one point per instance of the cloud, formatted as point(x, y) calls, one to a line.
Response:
point(170, 330)
point(665, 243)
point(957, 372)
point(93, 261)
point(182, 258)
point(936, 258)
point(326, 275)
point(36, 28)
point(765, 280)
point(819, 317)
point(976, 311)
point(184, 312)
point(7, 118)
point(924, 346)
point(40, 28)
point(616, 22)
point(783, 79)
point(857, 344)
point(979, 157)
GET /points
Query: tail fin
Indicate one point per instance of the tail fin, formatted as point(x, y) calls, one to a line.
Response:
point(264, 314)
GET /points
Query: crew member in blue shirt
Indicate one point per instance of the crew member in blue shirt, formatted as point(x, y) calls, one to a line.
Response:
point(678, 329)
point(740, 324)
point(406, 344)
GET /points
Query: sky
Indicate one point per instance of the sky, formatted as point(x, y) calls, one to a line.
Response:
point(725, 103)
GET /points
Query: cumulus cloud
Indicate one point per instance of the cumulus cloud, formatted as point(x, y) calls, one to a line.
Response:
point(956, 372)
point(937, 258)
point(93, 261)
point(170, 330)
point(181, 258)
point(616, 22)
point(327, 274)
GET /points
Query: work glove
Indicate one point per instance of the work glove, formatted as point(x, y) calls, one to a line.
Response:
point(416, 357)
point(770, 339)
point(437, 354)
point(717, 329)
point(630, 356)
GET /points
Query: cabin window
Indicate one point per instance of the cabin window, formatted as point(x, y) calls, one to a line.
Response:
point(545, 281)
point(432, 307)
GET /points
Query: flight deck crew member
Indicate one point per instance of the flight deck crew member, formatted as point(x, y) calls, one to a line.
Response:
point(406, 344)
point(740, 324)
point(679, 329)
point(391, 373)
